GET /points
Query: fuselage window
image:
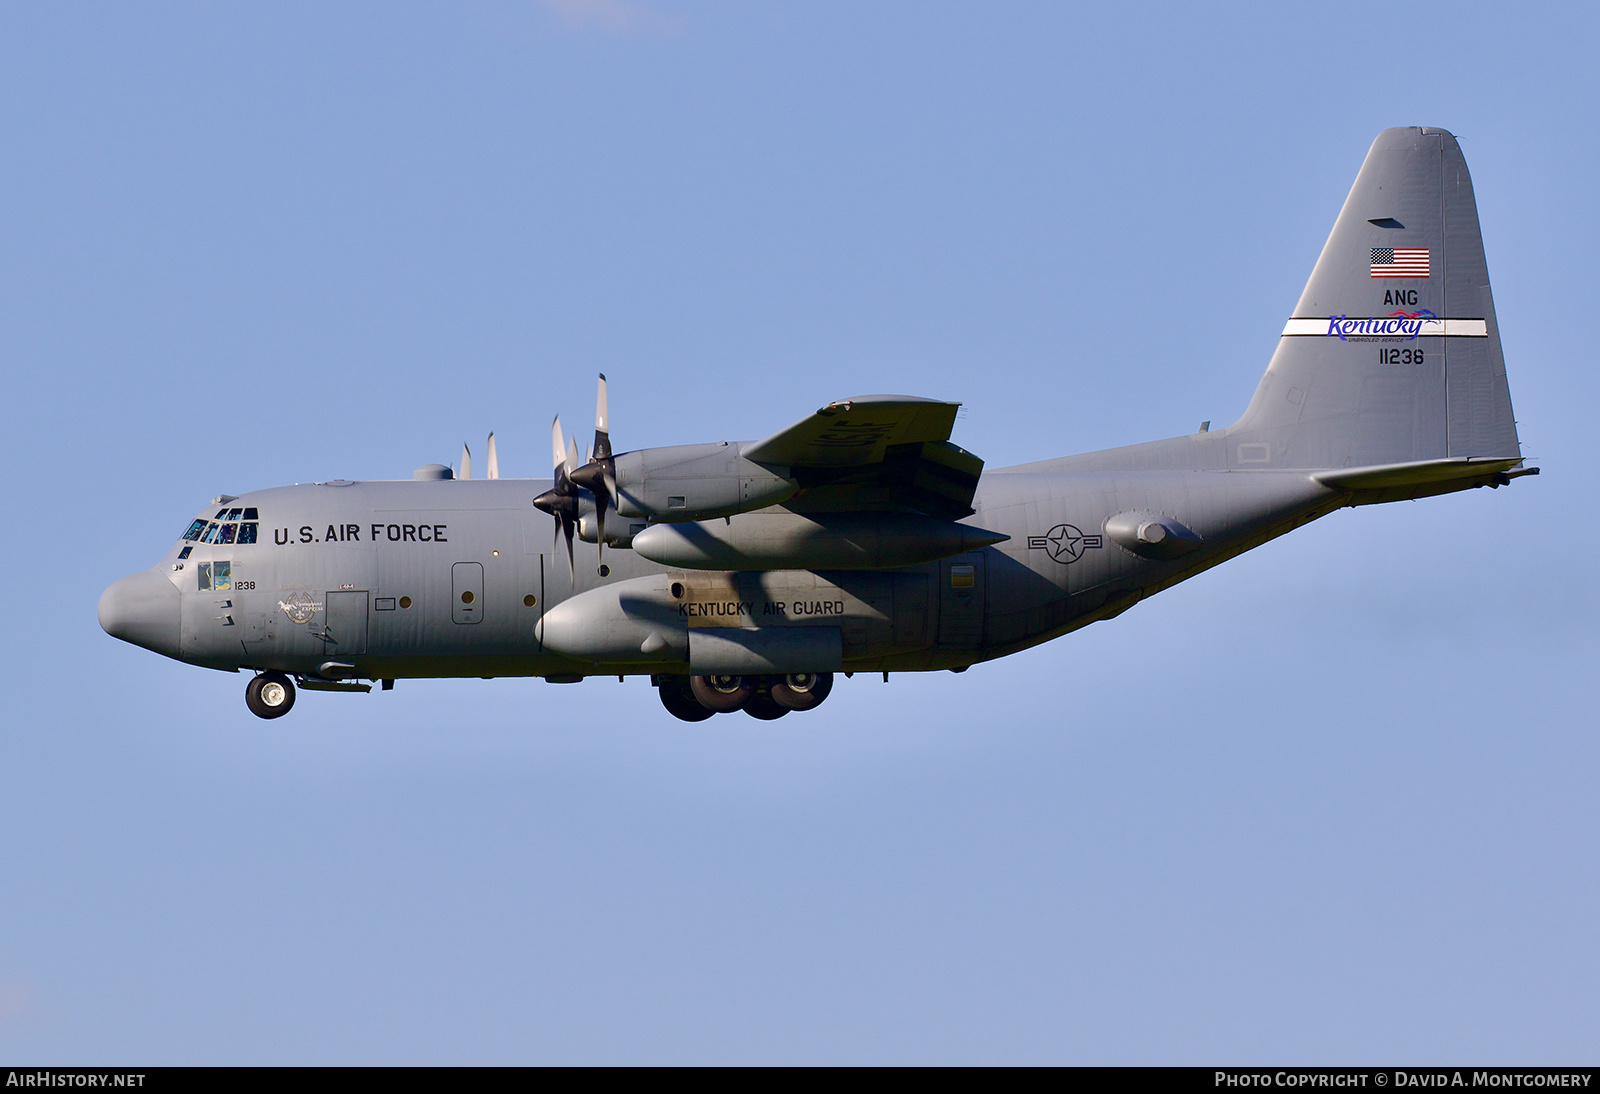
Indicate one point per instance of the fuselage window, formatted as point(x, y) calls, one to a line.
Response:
point(183, 554)
point(229, 531)
point(195, 529)
point(247, 532)
point(203, 572)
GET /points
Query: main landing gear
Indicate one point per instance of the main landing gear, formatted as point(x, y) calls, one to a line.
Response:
point(270, 695)
point(696, 698)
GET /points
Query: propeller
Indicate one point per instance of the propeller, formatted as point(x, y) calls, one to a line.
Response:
point(466, 461)
point(561, 500)
point(598, 475)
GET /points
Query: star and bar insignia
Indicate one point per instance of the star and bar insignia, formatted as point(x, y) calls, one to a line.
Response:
point(1065, 543)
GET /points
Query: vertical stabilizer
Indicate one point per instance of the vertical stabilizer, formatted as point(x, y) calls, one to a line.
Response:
point(1392, 354)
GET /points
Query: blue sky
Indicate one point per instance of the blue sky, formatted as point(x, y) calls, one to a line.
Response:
point(1332, 802)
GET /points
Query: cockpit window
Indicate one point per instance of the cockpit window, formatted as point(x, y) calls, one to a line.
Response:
point(185, 552)
point(223, 529)
point(215, 576)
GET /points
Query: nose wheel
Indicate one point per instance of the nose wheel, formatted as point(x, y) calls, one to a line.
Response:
point(270, 695)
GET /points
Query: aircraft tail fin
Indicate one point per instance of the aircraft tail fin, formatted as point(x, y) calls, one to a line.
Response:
point(1392, 355)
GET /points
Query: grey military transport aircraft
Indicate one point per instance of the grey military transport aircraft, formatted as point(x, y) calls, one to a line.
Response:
point(743, 575)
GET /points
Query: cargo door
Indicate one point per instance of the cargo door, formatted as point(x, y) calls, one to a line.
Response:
point(963, 586)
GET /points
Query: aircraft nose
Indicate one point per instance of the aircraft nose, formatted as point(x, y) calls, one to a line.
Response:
point(142, 609)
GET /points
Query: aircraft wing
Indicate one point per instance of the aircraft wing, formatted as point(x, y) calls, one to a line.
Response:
point(875, 452)
point(855, 432)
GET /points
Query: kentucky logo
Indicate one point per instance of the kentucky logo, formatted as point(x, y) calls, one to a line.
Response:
point(300, 607)
point(1065, 543)
point(1402, 324)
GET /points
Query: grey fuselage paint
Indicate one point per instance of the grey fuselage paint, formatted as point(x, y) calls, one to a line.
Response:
point(416, 549)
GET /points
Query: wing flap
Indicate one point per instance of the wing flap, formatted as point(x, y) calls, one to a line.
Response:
point(934, 477)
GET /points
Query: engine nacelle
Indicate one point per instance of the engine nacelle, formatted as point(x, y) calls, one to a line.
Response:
point(695, 482)
point(619, 531)
point(638, 620)
point(810, 541)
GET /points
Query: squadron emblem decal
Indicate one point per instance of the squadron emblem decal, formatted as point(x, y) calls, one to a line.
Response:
point(300, 607)
point(1065, 542)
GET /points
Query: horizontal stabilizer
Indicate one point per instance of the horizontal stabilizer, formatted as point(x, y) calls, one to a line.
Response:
point(1416, 473)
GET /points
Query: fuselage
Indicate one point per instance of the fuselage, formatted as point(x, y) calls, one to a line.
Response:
point(401, 579)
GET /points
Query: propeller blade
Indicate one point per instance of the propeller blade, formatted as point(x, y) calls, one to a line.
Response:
point(569, 525)
point(494, 460)
point(561, 500)
point(466, 462)
point(602, 444)
point(602, 423)
point(598, 475)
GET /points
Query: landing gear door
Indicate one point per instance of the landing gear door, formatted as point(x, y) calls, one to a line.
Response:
point(345, 632)
point(962, 595)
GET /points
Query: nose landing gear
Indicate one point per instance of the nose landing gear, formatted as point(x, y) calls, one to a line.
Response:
point(270, 695)
point(696, 698)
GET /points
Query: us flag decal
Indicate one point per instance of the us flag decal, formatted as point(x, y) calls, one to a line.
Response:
point(1399, 262)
